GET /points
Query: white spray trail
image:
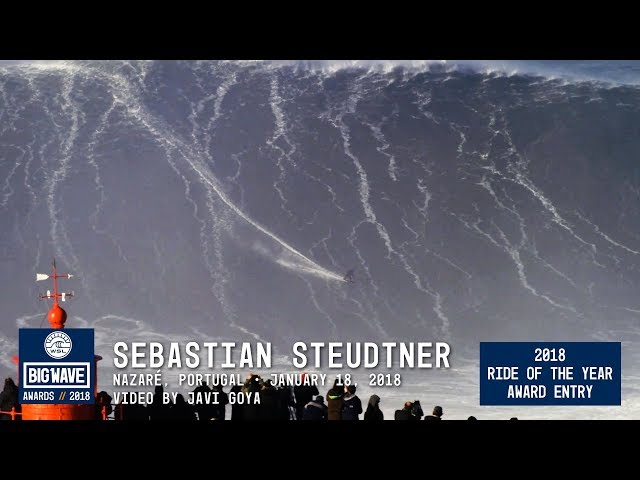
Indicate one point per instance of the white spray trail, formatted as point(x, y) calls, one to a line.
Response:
point(122, 91)
point(312, 266)
point(312, 270)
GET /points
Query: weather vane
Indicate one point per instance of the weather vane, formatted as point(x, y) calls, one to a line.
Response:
point(57, 316)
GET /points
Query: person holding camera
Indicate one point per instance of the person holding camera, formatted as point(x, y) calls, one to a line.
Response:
point(416, 410)
point(405, 413)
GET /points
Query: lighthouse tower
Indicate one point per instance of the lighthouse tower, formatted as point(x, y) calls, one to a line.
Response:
point(57, 317)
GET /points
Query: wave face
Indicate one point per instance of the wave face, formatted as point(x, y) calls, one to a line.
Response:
point(230, 198)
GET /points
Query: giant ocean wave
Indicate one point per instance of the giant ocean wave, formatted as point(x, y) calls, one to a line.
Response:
point(474, 200)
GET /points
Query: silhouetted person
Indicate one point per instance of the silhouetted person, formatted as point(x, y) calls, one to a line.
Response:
point(237, 412)
point(203, 408)
point(416, 410)
point(472, 418)
point(103, 401)
point(9, 399)
point(405, 413)
point(351, 404)
point(513, 418)
point(251, 389)
point(157, 409)
point(286, 403)
point(181, 410)
point(436, 415)
point(219, 410)
point(373, 412)
point(269, 400)
point(334, 401)
point(304, 394)
point(315, 411)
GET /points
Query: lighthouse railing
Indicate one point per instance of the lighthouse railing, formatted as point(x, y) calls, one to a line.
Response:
point(103, 413)
point(12, 412)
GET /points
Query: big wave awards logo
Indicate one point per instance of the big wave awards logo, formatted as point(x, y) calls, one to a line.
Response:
point(58, 345)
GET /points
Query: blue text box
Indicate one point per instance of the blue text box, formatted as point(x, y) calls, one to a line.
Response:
point(550, 373)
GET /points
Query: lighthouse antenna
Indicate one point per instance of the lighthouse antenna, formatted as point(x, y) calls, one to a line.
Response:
point(55, 284)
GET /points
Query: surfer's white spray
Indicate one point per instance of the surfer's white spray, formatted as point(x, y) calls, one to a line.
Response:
point(287, 259)
point(308, 269)
point(312, 266)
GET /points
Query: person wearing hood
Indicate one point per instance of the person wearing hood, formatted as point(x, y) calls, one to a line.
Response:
point(351, 404)
point(373, 412)
point(315, 410)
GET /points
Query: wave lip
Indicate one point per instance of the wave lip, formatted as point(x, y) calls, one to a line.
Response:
point(613, 72)
point(608, 72)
